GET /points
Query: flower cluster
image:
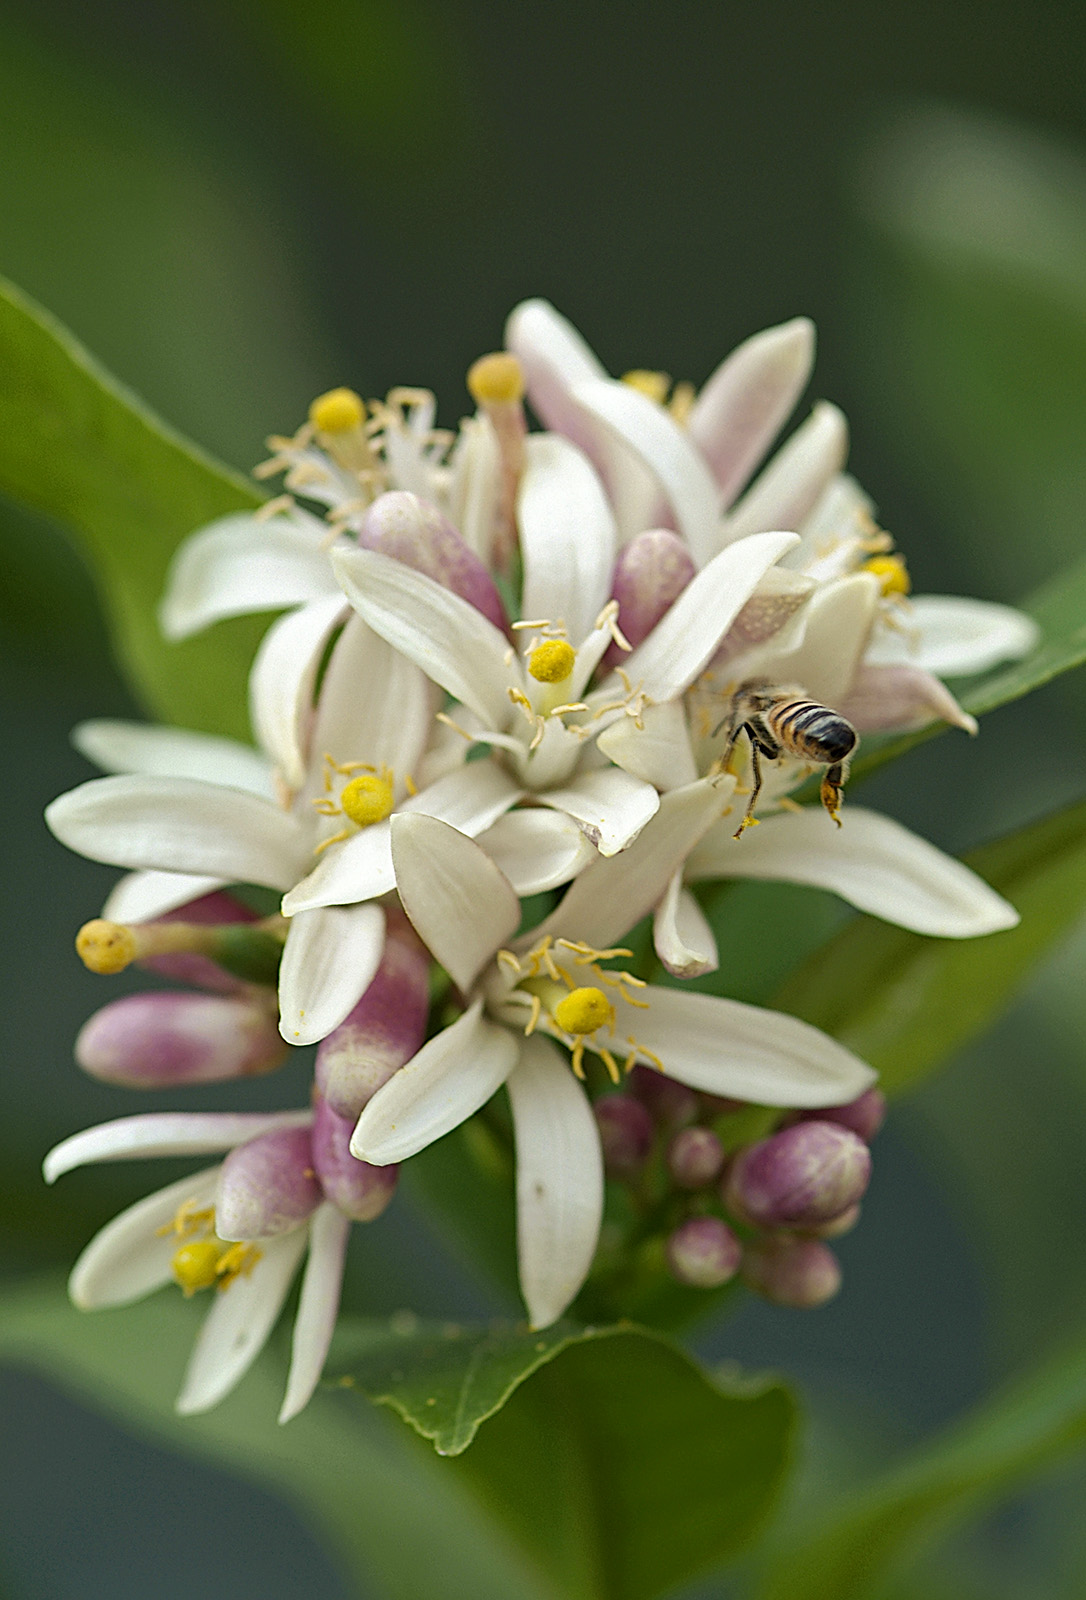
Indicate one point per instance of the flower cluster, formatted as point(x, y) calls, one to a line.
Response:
point(573, 667)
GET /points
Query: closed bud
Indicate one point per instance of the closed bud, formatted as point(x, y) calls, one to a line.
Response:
point(799, 1178)
point(839, 1226)
point(361, 1191)
point(864, 1117)
point(415, 532)
point(802, 1273)
point(703, 1252)
point(153, 1041)
point(695, 1158)
point(670, 1104)
point(267, 1186)
point(626, 1134)
point(385, 1029)
point(651, 573)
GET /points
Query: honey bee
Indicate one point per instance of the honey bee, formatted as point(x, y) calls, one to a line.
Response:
point(781, 722)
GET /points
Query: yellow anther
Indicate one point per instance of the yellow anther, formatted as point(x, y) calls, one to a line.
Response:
point(338, 411)
point(653, 384)
point(196, 1265)
point(583, 1011)
point(367, 799)
point(552, 661)
point(105, 947)
point(891, 572)
point(496, 379)
point(236, 1261)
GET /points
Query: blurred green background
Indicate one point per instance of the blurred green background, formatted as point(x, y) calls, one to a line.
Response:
point(237, 205)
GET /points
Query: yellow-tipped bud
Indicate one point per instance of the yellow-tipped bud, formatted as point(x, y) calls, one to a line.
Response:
point(552, 661)
point(891, 572)
point(105, 947)
point(583, 1011)
point(338, 411)
point(367, 799)
point(496, 379)
point(653, 384)
point(196, 1265)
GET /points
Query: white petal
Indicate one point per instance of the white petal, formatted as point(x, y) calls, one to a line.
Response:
point(240, 564)
point(143, 896)
point(459, 901)
point(128, 1258)
point(687, 635)
point(454, 644)
point(164, 1133)
point(559, 1180)
point(954, 637)
point(832, 632)
point(871, 861)
point(901, 697)
point(450, 1078)
point(318, 1305)
point(611, 806)
point(141, 747)
point(537, 849)
point(283, 678)
point(614, 893)
point(723, 1047)
point(788, 489)
point(682, 937)
point(743, 406)
point(329, 961)
point(659, 751)
point(661, 445)
point(236, 1328)
point(555, 358)
point(567, 535)
point(179, 825)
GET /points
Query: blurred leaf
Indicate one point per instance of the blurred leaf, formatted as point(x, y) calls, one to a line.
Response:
point(620, 1465)
point(904, 1002)
point(1010, 1438)
point(81, 448)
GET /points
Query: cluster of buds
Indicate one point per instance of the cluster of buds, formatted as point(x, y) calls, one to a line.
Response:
point(760, 1208)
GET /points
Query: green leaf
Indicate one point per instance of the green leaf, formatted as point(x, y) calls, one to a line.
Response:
point(613, 1458)
point(904, 1002)
point(82, 449)
point(1006, 1441)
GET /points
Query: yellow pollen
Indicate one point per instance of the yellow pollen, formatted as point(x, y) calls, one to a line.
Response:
point(653, 384)
point(196, 1265)
point(105, 947)
point(496, 379)
point(552, 661)
point(367, 799)
point(338, 411)
point(891, 572)
point(583, 1011)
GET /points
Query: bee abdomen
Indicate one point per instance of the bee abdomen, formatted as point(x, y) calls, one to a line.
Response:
point(812, 731)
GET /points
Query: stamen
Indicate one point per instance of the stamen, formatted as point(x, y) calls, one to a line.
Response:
point(608, 618)
point(496, 379)
point(653, 384)
point(338, 411)
point(892, 573)
point(109, 947)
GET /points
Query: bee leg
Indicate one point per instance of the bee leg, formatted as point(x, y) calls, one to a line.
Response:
point(756, 745)
point(833, 783)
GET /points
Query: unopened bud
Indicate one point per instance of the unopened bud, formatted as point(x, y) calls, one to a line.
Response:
point(799, 1178)
point(703, 1252)
point(267, 1186)
point(626, 1134)
point(864, 1117)
point(802, 1273)
point(651, 574)
point(361, 1191)
point(414, 531)
point(695, 1158)
point(671, 1105)
point(385, 1029)
point(839, 1226)
point(149, 1041)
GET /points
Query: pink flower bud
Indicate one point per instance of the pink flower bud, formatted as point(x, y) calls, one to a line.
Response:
point(802, 1273)
point(864, 1116)
point(799, 1178)
point(703, 1252)
point(385, 1029)
point(626, 1134)
point(267, 1186)
point(839, 1226)
point(188, 967)
point(414, 531)
point(149, 1041)
point(360, 1190)
point(695, 1158)
point(672, 1105)
point(651, 574)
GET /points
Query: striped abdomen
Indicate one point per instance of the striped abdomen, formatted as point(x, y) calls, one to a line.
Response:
point(813, 732)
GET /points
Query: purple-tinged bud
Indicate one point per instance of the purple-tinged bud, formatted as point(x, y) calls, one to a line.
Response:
point(703, 1252)
point(802, 1273)
point(695, 1158)
point(414, 531)
point(839, 1225)
point(651, 574)
point(384, 1030)
point(671, 1105)
point(360, 1190)
point(267, 1186)
point(799, 1178)
point(152, 1041)
point(626, 1134)
point(189, 967)
point(864, 1117)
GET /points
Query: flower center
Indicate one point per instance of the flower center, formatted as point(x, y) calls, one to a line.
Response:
point(552, 661)
point(338, 411)
point(892, 573)
point(657, 386)
point(367, 799)
point(583, 1011)
point(203, 1261)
